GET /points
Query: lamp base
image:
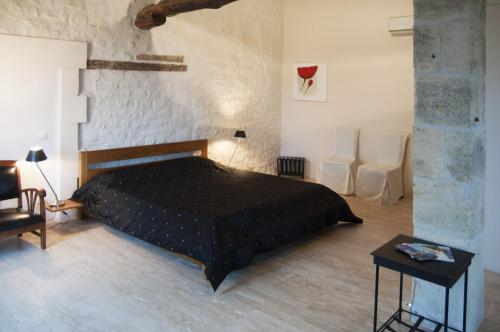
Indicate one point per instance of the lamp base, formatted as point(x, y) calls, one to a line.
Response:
point(57, 204)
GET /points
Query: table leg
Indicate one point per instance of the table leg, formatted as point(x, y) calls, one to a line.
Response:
point(446, 309)
point(376, 299)
point(400, 295)
point(465, 299)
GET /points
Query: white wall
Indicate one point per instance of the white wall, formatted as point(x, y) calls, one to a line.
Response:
point(233, 80)
point(370, 76)
point(28, 108)
point(40, 106)
point(492, 210)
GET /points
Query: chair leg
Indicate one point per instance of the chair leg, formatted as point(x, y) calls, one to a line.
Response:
point(43, 237)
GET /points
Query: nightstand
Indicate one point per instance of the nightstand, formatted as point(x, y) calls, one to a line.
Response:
point(68, 205)
point(439, 273)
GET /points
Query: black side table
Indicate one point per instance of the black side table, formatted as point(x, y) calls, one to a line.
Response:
point(440, 273)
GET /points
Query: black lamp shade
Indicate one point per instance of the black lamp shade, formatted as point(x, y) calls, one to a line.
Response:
point(240, 134)
point(36, 155)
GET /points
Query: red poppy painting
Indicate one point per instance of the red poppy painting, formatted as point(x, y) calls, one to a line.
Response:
point(307, 73)
point(309, 82)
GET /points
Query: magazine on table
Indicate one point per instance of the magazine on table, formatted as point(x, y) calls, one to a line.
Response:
point(426, 252)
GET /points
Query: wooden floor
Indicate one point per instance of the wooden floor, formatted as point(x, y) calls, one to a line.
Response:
point(92, 278)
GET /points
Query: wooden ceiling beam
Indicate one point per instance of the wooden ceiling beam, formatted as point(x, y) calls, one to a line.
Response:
point(155, 15)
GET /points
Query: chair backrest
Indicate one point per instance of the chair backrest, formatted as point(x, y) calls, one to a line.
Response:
point(346, 143)
point(10, 181)
point(393, 149)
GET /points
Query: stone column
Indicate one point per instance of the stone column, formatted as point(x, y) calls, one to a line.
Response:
point(449, 146)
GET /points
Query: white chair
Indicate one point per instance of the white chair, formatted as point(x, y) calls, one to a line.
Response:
point(338, 172)
point(383, 182)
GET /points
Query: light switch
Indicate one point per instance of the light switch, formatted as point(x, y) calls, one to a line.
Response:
point(42, 136)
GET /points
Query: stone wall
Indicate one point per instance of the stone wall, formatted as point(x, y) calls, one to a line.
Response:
point(492, 218)
point(233, 81)
point(449, 144)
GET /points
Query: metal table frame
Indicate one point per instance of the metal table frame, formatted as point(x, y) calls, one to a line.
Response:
point(415, 327)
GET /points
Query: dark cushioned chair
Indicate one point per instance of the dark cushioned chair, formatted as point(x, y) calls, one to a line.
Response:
point(17, 221)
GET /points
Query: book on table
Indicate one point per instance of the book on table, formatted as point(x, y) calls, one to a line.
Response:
point(425, 252)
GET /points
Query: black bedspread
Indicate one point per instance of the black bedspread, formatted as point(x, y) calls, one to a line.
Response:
point(217, 215)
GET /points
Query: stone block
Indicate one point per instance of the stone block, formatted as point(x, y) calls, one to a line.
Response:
point(457, 42)
point(461, 36)
point(444, 101)
point(466, 155)
point(462, 42)
point(478, 22)
point(427, 48)
point(448, 220)
point(430, 192)
point(428, 298)
point(428, 152)
point(450, 208)
point(441, 9)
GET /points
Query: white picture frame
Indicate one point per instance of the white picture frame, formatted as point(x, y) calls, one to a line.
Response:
point(310, 82)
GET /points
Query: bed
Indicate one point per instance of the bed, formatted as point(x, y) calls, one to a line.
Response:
point(216, 216)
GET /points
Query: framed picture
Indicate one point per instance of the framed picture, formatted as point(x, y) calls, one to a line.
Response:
point(310, 82)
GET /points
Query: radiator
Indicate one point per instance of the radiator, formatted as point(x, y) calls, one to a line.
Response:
point(291, 166)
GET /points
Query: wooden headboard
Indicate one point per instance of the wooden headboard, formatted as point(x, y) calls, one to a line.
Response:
point(88, 158)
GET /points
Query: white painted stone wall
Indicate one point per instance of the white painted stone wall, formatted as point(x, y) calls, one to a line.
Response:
point(233, 82)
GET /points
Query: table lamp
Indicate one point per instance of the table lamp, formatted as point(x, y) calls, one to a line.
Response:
point(239, 135)
point(36, 155)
